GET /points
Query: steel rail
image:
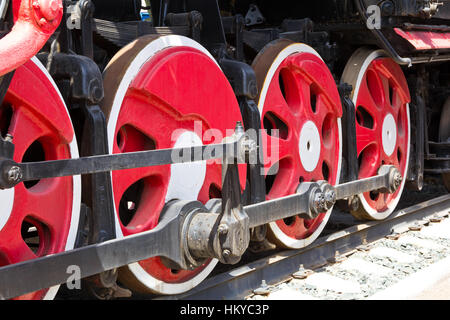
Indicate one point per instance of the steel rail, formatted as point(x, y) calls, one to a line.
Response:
point(239, 282)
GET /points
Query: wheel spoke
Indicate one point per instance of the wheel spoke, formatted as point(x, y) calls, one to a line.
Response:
point(386, 89)
point(304, 89)
point(328, 155)
point(24, 131)
point(366, 100)
point(136, 115)
point(371, 163)
point(15, 249)
point(365, 136)
point(44, 201)
point(123, 179)
point(276, 104)
point(280, 148)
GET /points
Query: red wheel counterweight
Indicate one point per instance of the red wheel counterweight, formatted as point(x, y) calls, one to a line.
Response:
point(38, 218)
point(165, 92)
point(381, 97)
point(300, 110)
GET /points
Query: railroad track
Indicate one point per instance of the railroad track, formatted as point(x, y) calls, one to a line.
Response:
point(276, 270)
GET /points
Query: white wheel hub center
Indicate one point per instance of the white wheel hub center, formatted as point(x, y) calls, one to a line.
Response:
point(389, 134)
point(309, 146)
point(186, 179)
point(6, 205)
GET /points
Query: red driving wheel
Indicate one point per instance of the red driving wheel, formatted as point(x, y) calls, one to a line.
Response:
point(38, 218)
point(165, 92)
point(300, 111)
point(381, 97)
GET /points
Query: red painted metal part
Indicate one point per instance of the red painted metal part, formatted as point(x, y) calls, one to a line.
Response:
point(383, 91)
point(176, 90)
point(305, 79)
point(425, 40)
point(37, 115)
point(35, 21)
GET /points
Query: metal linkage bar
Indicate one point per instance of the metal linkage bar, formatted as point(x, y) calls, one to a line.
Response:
point(182, 241)
point(388, 179)
point(12, 173)
point(280, 266)
point(21, 278)
point(305, 203)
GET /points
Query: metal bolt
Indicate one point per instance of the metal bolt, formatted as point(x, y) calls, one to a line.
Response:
point(263, 289)
point(239, 128)
point(319, 202)
point(14, 174)
point(226, 253)
point(302, 273)
point(49, 8)
point(397, 180)
point(248, 145)
point(354, 203)
point(387, 8)
point(337, 258)
point(393, 236)
point(330, 198)
point(253, 88)
point(435, 218)
point(223, 229)
point(415, 227)
point(8, 137)
point(363, 247)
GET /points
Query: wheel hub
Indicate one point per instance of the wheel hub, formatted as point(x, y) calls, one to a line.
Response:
point(186, 179)
point(309, 146)
point(389, 134)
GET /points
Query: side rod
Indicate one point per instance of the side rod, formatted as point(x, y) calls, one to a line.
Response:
point(13, 173)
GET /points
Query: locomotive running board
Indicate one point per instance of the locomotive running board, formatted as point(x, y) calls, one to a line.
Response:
point(166, 238)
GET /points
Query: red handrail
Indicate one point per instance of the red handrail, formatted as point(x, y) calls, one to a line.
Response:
point(35, 21)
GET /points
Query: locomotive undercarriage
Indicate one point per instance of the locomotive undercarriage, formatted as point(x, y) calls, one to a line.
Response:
point(256, 47)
